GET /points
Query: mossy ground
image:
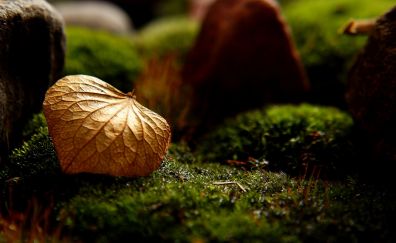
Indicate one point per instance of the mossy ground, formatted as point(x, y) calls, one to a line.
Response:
point(191, 199)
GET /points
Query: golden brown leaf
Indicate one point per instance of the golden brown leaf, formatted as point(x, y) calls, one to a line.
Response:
point(98, 129)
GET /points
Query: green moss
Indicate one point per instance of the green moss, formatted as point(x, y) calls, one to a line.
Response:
point(167, 36)
point(325, 52)
point(111, 58)
point(36, 157)
point(172, 7)
point(4, 174)
point(29, 173)
point(288, 137)
point(182, 202)
point(181, 152)
point(178, 202)
point(34, 125)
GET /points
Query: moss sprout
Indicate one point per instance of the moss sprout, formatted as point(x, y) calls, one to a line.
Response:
point(287, 137)
point(111, 58)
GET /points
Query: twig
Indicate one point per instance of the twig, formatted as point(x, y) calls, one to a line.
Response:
point(359, 27)
point(230, 183)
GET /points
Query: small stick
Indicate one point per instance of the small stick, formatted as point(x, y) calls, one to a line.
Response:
point(230, 183)
point(359, 27)
point(14, 179)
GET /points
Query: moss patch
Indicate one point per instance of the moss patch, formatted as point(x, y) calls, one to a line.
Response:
point(167, 36)
point(172, 7)
point(36, 157)
point(178, 202)
point(34, 126)
point(111, 58)
point(288, 137)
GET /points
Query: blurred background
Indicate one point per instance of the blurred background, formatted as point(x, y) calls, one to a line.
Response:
point(145, 44)
point(142, 11)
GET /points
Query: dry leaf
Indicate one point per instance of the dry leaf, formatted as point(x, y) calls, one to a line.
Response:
point(98, 129)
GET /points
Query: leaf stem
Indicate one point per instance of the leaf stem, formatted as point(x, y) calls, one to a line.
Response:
point(132, 94)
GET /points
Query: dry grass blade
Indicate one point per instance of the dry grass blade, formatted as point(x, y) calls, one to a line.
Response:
point(161, 88)
point(230, 183)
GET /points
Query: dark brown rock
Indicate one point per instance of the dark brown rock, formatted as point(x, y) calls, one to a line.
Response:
point(371, 93)
point(31, 58)
point(243, 59)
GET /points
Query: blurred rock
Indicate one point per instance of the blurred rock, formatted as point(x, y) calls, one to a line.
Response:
point(243, 59)
point(371, 93)
point(98, 15)
point(141, 11)
point(31, 58)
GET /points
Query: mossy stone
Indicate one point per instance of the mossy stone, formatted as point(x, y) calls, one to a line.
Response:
point(32, 53)
point(371, 92)
point(111, 58)
point(288, 137)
